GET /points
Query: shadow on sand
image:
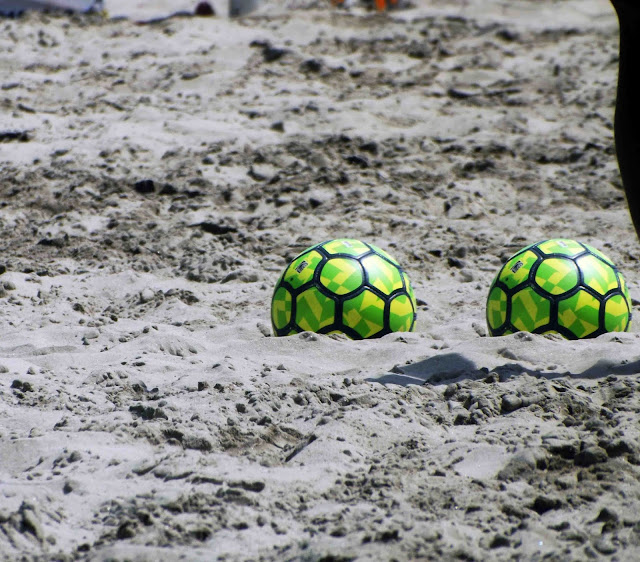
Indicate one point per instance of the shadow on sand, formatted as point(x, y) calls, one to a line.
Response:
point(451, 367)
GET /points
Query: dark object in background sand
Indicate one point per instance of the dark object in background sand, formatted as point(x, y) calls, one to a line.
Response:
point(204, 9)
point(17, 7)
point(14, 136)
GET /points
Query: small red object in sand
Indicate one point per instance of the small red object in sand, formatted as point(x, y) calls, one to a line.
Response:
point(380, 4)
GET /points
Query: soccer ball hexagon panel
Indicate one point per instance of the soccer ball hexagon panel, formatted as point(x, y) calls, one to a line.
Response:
point(344, 286)
point(560, 286)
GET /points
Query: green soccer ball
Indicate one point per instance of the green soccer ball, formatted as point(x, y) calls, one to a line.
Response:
point(343, 286)
point(559, 286)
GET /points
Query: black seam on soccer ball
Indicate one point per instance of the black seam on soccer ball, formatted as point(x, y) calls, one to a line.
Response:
point(313, 285)
point(533, 270)
point(413, 308)
point(341, 299)
point(567, 257)
point(316, 248)
point(620, 278)
point(393, 263)
point(544, 255)
point(568, 334)
point(386, 315)
point(293, 301)
point(345, 255)
point(326, 256)
point(607, 261)
point(351, 295)
point(396, 292)
point(378, 292)
point(538, 291)
point(528, 284)
point(365, 277)
point(406, 284)
point(627, 301)
point(383, 332)
point(286, 285)
point(580, 272)
point(553, 325)
point(311, 249)
point(599, 297)
point(553, 312)
point(504, 267)
point(333, 327)
point(612, 292)
point(609, 265)
point(338, 312)
point(501, 329)
point(556, 301)
point(564, 296)
point(306, 285)
point(537, 251)
point(608, 297)
point(353, 334)
point(542, 329)
point(602, 312)
point(523, 284)
point(385, 298)
point(394, 295)
point(294, 311)
point(507, 318)
point(581, 244)
point(316, 272)
point(486, 316)
point(500, 285)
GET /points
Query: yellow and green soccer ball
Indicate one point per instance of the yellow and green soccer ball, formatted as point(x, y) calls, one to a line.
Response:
point(559, 286)
point(343, 286)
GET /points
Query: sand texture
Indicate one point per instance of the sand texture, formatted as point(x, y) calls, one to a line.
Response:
point(156, 179)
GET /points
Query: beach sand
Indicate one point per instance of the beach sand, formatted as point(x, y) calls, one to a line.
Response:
point(156, 179)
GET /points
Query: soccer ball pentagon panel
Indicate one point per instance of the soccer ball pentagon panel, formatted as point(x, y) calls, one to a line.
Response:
point(559, 286)
point(343, 286)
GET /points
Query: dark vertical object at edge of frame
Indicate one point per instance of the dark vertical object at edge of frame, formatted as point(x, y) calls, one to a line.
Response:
point(627, 117)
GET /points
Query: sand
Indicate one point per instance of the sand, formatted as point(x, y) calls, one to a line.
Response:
point(156, 179)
